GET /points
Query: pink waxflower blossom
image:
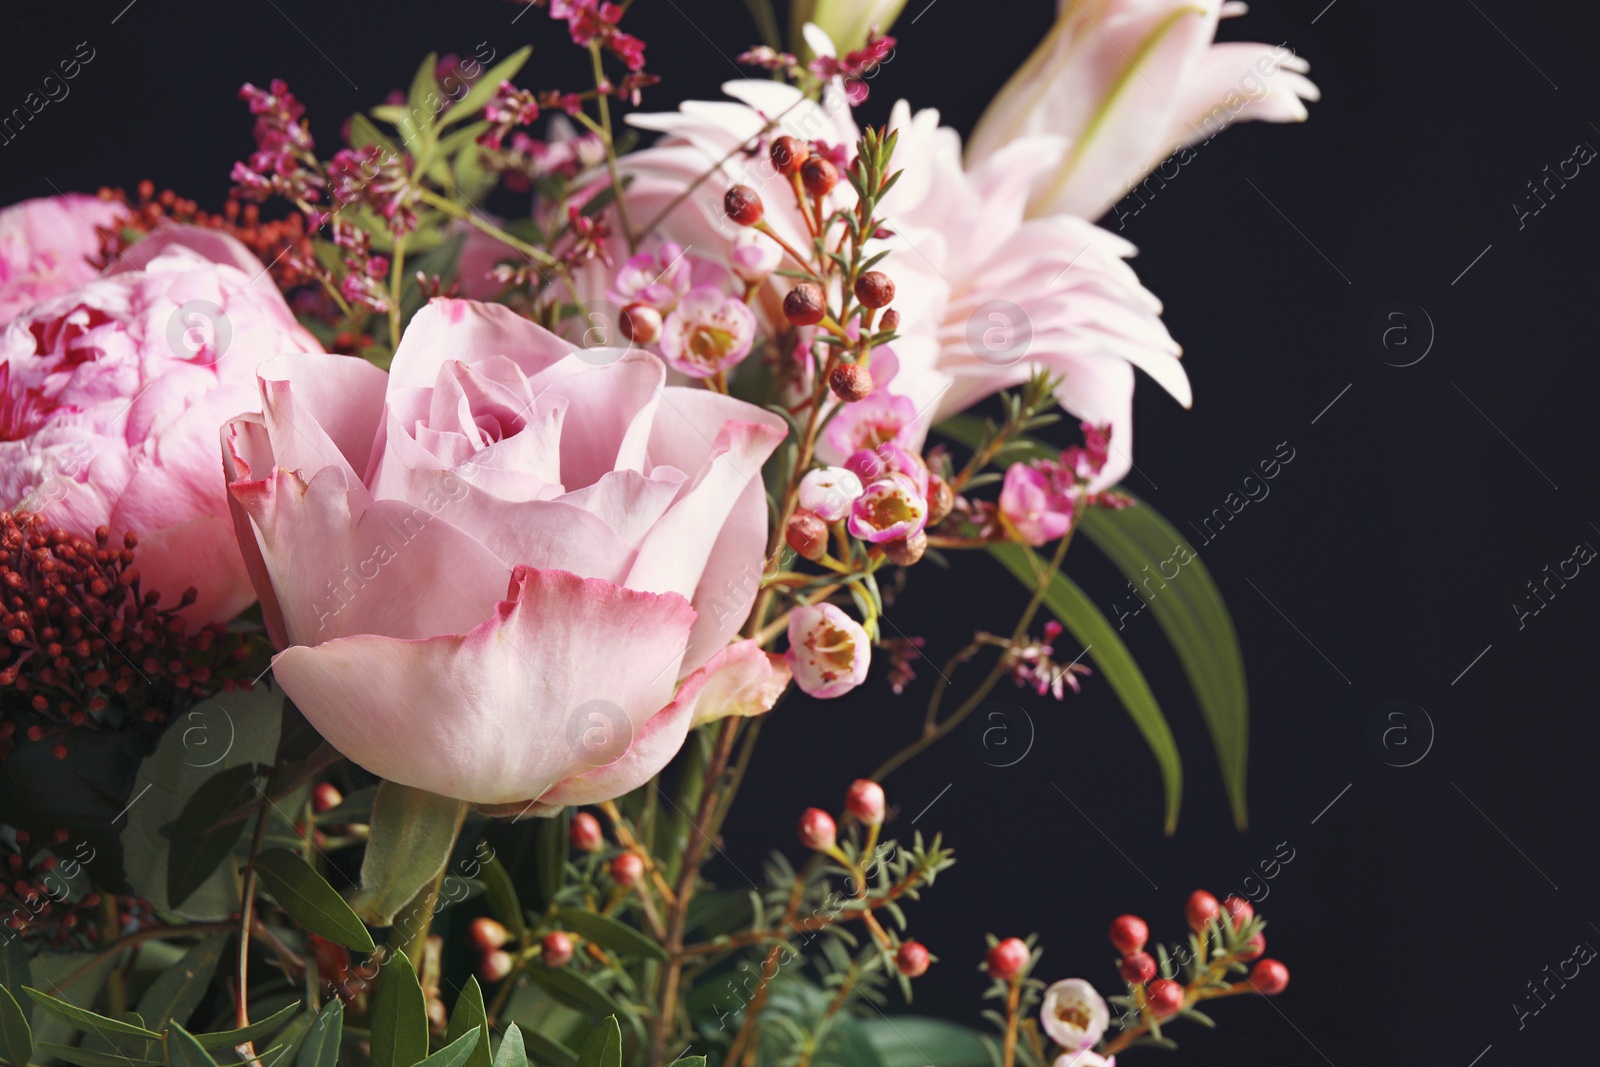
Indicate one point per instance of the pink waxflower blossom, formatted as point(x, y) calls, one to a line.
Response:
point(829, 652)
point(890, 509)
point(1074, 1014)
point(50, 245)
point(1034, 506)
point(111, 396)
point(489, 569)
point(659, 278)
point(882, 418)
point(754, 256)
point(708, 332)
point(855, 65)
point(829, 492)
point(889, 458)
point(507, 109)
point(1137, 82)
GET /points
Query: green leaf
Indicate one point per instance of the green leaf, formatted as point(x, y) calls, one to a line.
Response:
point(310, 900)
point(1073, 608)
point(609, 933)
point(399, 1017)
point(16, 1036)
point(15, 973)
point(511, 1053)
point(197, 849)
point(321, 1045)
point(574, 990)
point(503, 903)
point(485, 86)
point(260, 1028)
point(421, 110)
point(901, 1041)
point(1190, 610)
point(184, 1051)
point(456, 1052)
point(412, 834)
point(178, 990)
point(468, 1017)
point(84, 1019)
point(89, 1058)
point(604, 1046)
point(689, 1061)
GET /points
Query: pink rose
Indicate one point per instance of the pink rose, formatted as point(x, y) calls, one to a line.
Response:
point(112, 395)
point(48, 246)
point(489, 569)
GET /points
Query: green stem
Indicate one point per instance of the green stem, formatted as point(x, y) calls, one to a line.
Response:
point(604, 104)
point(475, 219)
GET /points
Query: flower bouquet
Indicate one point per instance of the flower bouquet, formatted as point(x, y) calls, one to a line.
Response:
point(399, 563)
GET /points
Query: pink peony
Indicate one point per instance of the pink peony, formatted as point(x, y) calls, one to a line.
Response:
point(48, 246)
point(489, 568)
point(112, 395)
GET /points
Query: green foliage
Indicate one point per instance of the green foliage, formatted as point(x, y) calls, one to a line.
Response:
point(604, 1047)
point(320, 1047)
point(310, 900)
point(399, 1017)
point(412, 833)
point(184, 1051)
point(610, 934)
point(16, 1037)
point(178, 990)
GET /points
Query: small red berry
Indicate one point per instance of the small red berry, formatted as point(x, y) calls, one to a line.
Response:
point(788, 153)
point(1164, 997)
point(325, 797)
point(487, 934)
point(1129, 933)
point(584, 833)
point(1257, 945)
point(557, 949)
point(1138, 968)
point(1269, 977)
point(817, 830)
point(495, 966)
point(1007, 959)
point(626, 869)
point(805, 305)
point(819, 176)
point(912, 959)
point(1239, 910)
point(865, 801)
point(1201, 909)
point(743, 205)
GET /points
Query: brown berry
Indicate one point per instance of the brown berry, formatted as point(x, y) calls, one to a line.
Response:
point(818, 176)
point(850, 382)
point(807, 534)
point(906, 552)
point(788, 153)
point(875, 289)
point(805, 305)
point(743, 205)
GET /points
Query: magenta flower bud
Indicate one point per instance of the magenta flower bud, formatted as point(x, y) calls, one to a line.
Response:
point(816, 829)
point(891, 509)
point(889, 458)
point(829, 491)
point(828, 651)
point(865, 801)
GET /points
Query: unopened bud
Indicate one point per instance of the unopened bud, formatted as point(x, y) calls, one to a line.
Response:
point(890, 322)
point(865, 801)
point(1007, 959)
point(640, 323)
point(907, 552)
point(487, 934)
point(941, 499)
point(912, 959)
point(805, 304)
point(850, 382)
point(325, 797)
point(584, 833)
point(816, 829)
point(557, 949)
point(743, 205)
point(875, 289)
point(807, 534)
point(626, 869)
point(788, 153)
point(818, 176)
point(495, 966)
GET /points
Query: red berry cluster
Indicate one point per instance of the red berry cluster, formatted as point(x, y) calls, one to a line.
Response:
point(84, 645)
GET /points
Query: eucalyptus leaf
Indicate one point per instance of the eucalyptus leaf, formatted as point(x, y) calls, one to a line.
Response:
point(16, 1036)
point(198, 848)
point(468, 1017)
point(178, 990)
point(1073, 608)
point(310, 900)
point(503, 903)
point(260, 1028)
point(412, 834)
point(321, 1045)
point(604, 1046)
point(84, 1019)
point(456, 1052)
point(511, 1053)
point(184, 1051)
point(89, 1058)
point(399, 1017)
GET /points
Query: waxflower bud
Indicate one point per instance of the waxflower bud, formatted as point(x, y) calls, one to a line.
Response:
point(850, 382)
point(1164, 997)
point(325, 797)
point(1239, 910)
point(908, 552)
point(487, 935)
point(1138, 968)
point(874, 463)
point(557, 948)
point(818, 176)
point(495, 966)
point(1256, 946)
point(865, 801)
point(875, 289)
point(816, 829)
point(1074, 1014)
point(912, 960)
point(805, 305)
point(1128, 934)
point(807, 534)
point(788, 153)
point(1201, 909)
point(1269, 977)
point(626, 869)
point(890, 321)
point(584, 833)
point(828, 651)
point(1007, 959)
point(829, 491)
point(743, 205)
point(941, 500)
point(640, 323)
point(891, 509)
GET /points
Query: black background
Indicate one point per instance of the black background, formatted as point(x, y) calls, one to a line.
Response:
point(1418, 505)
